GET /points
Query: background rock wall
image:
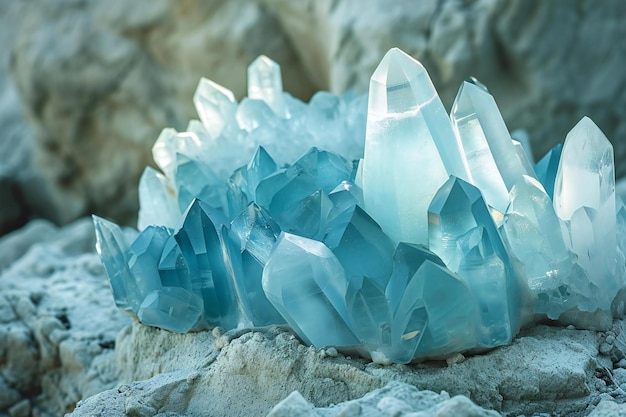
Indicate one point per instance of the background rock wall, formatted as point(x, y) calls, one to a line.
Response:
point(86, 85)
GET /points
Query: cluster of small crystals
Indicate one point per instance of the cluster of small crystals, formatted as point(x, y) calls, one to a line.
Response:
point(398, 228)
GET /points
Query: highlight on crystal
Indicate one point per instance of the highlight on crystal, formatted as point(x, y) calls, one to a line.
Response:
point(377, 223)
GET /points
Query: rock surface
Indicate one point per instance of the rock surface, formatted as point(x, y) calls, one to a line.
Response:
point(57, 320)
point(98, 81)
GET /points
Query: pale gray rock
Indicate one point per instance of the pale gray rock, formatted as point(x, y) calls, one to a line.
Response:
point(58, 323)
point(395, 399)
point(545, 369)
point(607, 408)
point(99, 80)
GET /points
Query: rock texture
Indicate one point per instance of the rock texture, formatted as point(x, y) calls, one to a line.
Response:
point(57, 320)
point(99, 80)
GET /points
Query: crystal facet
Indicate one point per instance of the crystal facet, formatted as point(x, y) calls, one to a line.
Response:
point(406, 124)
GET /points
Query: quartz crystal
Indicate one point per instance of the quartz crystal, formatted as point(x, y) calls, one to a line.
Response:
point(406, 124)
point(494, 163)
point(375, 223)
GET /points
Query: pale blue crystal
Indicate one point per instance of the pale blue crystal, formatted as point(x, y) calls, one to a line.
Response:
point(344, 198)
point(432, 314)
point(171, 308)
point(464, 235)
point(265, 83)
point(114, 252)
point(200, 242)
point(215, 105)
point(534, 236)
point(306, 283)
point(252, 237)
point(547, 167)
point(157, 201)
point(584, 195)
point(365, 250)
point(494, 163)
point(196, 180)
point(173, 269)
point(521, 136)
point(145, 253)
point(409, 145)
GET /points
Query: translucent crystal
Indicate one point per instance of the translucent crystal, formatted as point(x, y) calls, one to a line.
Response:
point(408, 137)
point(434, 315)
point(365, 250)
point(171, 308)
point(157, 201)
point(171, 143)
point(252, 237)
point(463, 234)
point(145, 253)
point(265, 83)
point(547, 167)
point(306, 283)
point(215, 105)
point(534, 236)
point(521, 136)
point(584, 195)
point(200, 241)
point(494, 163)
point(344, 198)
point(114, 252)
point(195, 179)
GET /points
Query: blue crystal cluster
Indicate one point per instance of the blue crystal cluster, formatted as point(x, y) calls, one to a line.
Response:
point(399, 228)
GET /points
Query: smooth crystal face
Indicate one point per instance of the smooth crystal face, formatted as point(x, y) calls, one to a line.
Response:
point(200, 238)
point(113, 248)
point(306, 283)
point(265, 83)
point(463, 234)
point(377, 224)
point(216, 106)
point(157, 199)
point(171, 308)
point(547, 167)
point(408, 137)
point(494, 163)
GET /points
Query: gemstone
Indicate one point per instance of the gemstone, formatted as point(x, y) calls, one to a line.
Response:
point(406, 124)
point(493, 161)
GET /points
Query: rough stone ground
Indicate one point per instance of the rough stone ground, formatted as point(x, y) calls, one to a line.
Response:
point(63, 345)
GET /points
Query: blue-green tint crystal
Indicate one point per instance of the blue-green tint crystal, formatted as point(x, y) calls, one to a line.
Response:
point(252, 237)
point(547, 167)
point(114, 251)
point(171, 308)
point(306, 283)
point(200, 242)
point(365, 250)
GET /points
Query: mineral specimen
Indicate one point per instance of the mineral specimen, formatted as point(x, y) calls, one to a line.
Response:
point(393, 228)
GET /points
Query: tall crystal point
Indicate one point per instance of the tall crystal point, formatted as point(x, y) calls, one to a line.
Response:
point(265, 83)
point(493, 161)
point(584, 195)
point(215, 105)
point(410, 148)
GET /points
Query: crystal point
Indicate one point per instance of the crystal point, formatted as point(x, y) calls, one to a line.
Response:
point(406, 124)
point(265, 83)
point(493, 161)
